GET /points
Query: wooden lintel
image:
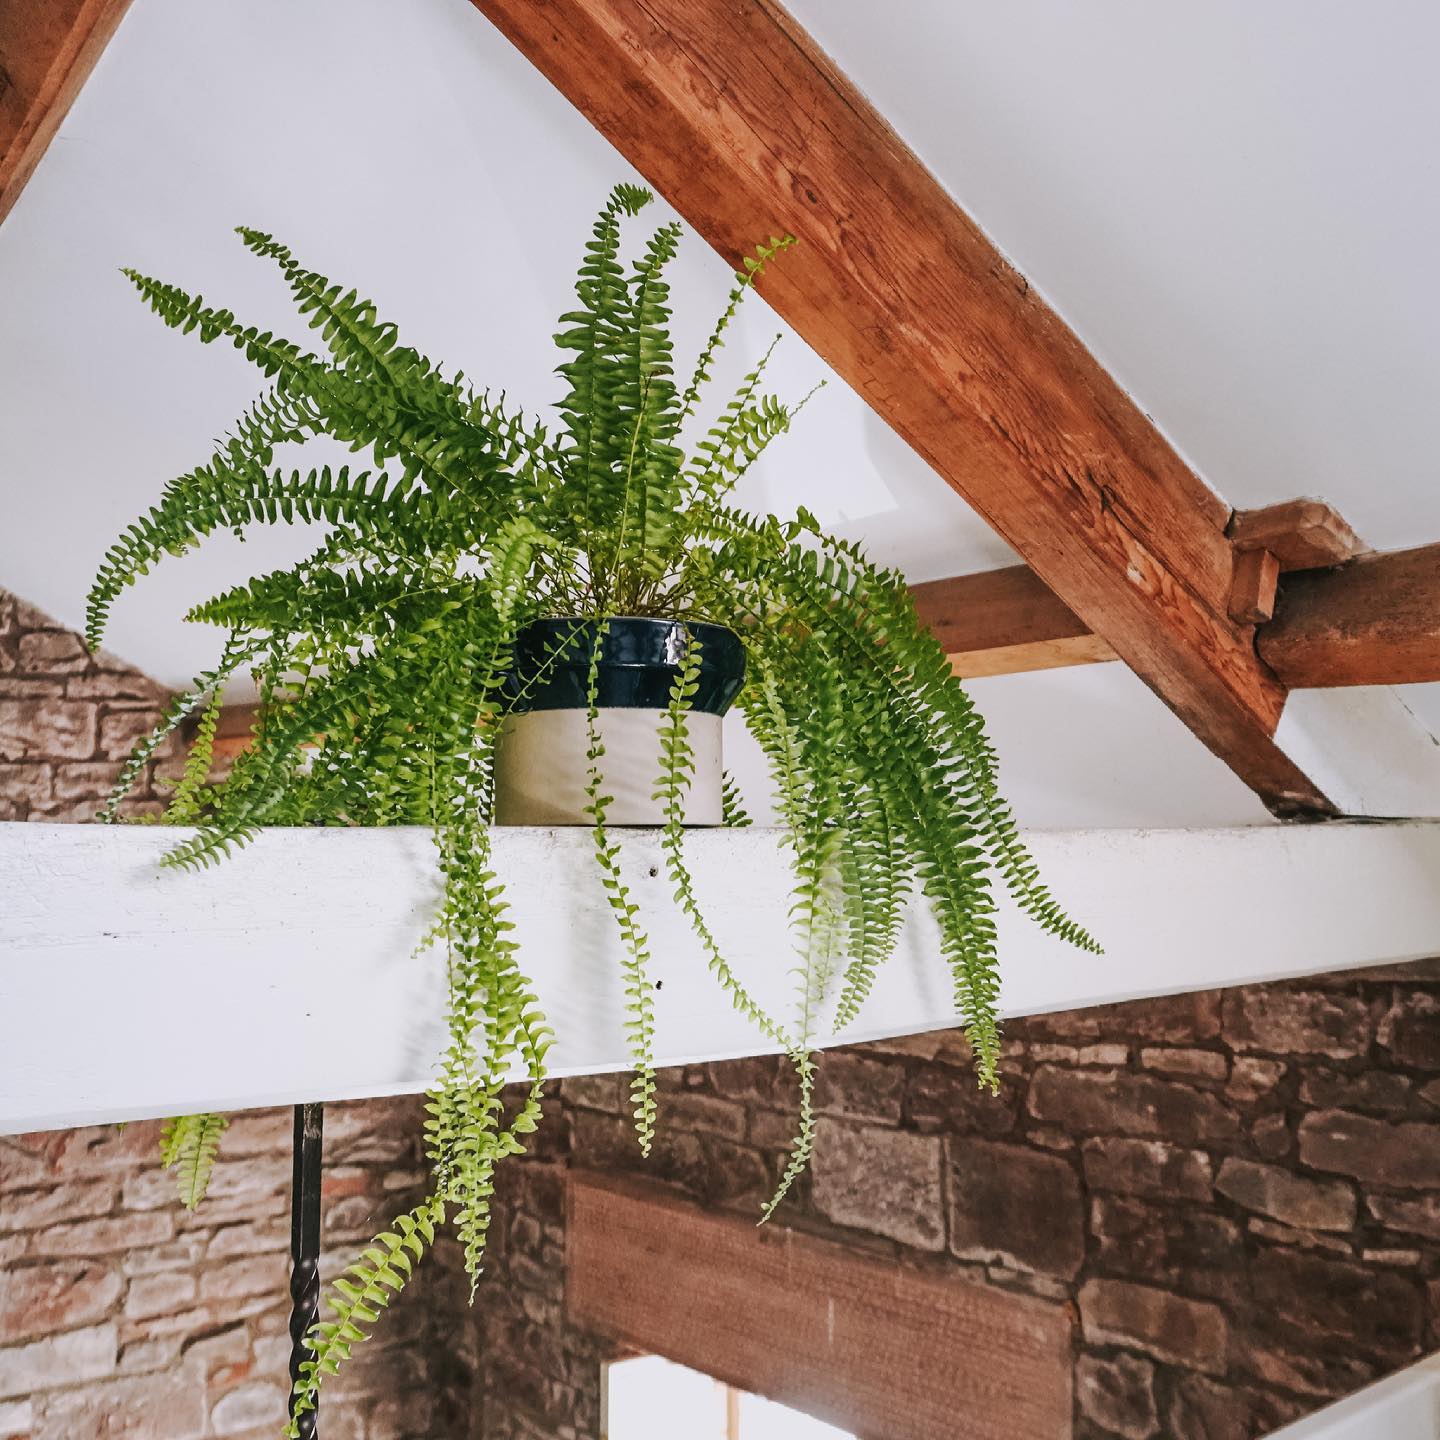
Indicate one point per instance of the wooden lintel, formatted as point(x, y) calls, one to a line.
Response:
point(812, 1324)
point(733, 113)
point(47, 51)
point(1375, 621)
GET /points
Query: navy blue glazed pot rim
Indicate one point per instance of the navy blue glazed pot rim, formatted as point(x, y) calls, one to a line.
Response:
point(640, 657)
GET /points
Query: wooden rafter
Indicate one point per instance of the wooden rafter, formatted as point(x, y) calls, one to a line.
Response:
point(737, 118)
point(1000, 622)
point(1375, 621)
point(47, 50)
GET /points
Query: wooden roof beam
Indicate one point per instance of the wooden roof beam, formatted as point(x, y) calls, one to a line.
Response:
point(733, 113)
point(47, 51)
point(1375, 621)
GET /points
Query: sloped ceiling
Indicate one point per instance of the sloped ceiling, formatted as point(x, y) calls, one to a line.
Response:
point(1235, 208)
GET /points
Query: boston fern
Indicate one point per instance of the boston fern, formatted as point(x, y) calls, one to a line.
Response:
point(382, 661)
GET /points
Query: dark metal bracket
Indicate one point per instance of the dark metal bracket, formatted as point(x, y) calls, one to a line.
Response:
point(305, 1247)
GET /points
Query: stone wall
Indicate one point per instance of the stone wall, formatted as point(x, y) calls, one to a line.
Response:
point(122, 1314)
point(68, 721)
point(1238, 1192)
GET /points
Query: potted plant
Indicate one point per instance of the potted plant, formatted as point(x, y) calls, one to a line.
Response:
point(505, 621)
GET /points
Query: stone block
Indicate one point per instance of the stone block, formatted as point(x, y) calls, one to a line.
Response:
point(1167, 1244)
point(952, 1100)
point(30, 1209)
point(1312, 1295)
point(51, 652)
point(1118, 1395)
point(142, 1407)
point(117, 685)
point(1172, 1328)
point(86, 780)
point(104, 1236)
point(859, 1087)
point(1405, 1156)
point(160, 1294)
point(1381, 1091)
point(1146, 1167)
point(1419, 1215)
point(1278, 1020)
point(17, 1418)
point(705, 1113)
point(122, 730)
point(251, 1237)
point(1159, 1020)
point(596, 1092)
point(1187, 1062)
point(256, 1406)
point(1016, 1207)
point(1253, 1078)
point(883, 1181)
point(31, 784)
point(1201, 1409)
point(1100, 1102)
point(1290, 1198)
point(1321, 1370)
point(38, 1300)
point(68, 1359)
point(1410, 1030)
point(47, 729)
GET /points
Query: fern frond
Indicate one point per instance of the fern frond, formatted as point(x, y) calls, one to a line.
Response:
point(188, 1144)
point(370, 1282)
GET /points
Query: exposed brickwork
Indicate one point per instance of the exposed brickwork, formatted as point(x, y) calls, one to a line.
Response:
point(1239, 1192)
point(121, 1313)
point(68, 721)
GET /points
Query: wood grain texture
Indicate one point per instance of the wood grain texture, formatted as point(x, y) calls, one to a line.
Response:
point(1375, 621)
point(1252, 593)
point(876, 1349)
point(731, 111)
point(1000, 622)
point(47, 51)
point(1301, 534)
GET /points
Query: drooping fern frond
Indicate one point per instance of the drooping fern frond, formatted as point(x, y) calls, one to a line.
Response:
point(188, 1144)
point(384, 669)
point(356, 1299)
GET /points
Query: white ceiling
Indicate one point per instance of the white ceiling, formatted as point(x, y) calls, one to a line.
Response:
point(1234, 205)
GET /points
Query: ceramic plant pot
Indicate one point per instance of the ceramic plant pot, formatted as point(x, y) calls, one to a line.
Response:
point(540, 761)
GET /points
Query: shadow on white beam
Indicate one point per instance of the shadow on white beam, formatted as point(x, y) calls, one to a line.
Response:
point(288, 972)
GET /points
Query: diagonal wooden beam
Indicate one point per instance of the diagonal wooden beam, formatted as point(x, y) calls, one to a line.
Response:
point(1001, 622)
point(735, 116)
point(47, 50)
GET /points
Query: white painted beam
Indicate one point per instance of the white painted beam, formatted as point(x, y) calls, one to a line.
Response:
point(288, 972)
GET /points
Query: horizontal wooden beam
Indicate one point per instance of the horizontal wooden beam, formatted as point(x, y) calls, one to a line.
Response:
point(47, 50)
point(734, 114)
point(1375, 621)
point(810, 1323)
point(300, 947)
point(1000, 622)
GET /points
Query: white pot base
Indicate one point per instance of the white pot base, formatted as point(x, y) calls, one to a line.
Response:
point(541, 768)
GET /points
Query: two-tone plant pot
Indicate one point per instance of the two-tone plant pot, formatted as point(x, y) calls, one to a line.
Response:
point(541, 763)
